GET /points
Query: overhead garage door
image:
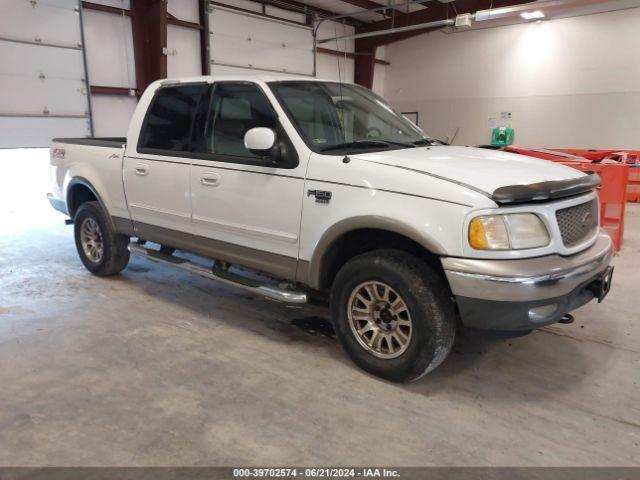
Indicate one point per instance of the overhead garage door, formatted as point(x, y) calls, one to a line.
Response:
point(243, 40)
point(42, 66)
point(183, 43)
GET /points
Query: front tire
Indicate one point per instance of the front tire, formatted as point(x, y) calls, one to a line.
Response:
point(393, 314)
point(101, 249)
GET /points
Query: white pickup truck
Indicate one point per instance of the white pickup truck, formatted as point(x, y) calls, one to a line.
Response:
point(322, 189)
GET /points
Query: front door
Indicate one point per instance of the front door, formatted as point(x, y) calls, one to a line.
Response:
point(245, 208)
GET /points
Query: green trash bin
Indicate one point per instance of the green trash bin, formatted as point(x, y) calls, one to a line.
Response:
point(502, 136)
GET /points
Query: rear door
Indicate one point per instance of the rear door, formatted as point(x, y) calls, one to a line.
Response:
point(246, 209)
point(156, 175)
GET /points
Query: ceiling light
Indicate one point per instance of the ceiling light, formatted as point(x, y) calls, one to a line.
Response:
point(536, 14)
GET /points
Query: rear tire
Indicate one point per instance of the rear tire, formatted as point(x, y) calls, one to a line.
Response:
point(101, 249)
point(393, 314)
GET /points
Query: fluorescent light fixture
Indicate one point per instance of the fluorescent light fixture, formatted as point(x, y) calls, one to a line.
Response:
point(536, 14)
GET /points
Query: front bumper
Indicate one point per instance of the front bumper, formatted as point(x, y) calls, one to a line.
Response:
point(528, 293)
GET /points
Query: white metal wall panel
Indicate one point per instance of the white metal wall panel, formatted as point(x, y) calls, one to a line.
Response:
point(36, 78)
point(41, 73)
point(568, 82)
point(329, 29)
point(225, 70)
point(184, 10)
point(111, 63)
point(48, 21)
point(286, 14)
point(379, 73)
point(332, 67)
point(18, 132)
point(183, 45)
point(109, 45)
point(112, 114)
point(245, 40)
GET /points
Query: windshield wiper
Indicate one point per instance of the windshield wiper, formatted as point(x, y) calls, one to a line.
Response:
point(400, 144)
point(368, 144)
point(357, 144)
point(427, 141)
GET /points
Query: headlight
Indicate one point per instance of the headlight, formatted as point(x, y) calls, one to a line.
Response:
point(514, 231)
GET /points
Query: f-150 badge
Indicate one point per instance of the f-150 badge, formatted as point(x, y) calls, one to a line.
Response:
point(322, 196)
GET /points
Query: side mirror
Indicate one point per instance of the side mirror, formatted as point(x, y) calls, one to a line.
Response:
point(260, 140)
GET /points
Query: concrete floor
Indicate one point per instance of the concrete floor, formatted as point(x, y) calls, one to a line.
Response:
point(156, 367)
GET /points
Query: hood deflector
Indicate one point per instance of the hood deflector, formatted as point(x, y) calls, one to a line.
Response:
point(544, 191)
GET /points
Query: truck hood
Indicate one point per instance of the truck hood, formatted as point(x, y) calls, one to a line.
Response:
point(479, 169)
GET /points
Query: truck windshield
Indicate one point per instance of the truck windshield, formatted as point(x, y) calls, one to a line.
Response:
point(337, 118)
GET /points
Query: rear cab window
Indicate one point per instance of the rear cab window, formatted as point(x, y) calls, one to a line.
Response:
point(168, 125)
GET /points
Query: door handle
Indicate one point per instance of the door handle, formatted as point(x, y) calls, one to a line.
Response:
point(141, 169)
point(210, 180)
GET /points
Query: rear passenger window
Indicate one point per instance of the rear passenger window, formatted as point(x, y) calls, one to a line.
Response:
point(170, 118)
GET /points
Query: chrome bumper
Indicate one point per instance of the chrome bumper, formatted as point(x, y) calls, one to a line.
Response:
point(527, 279)
point(512, 289)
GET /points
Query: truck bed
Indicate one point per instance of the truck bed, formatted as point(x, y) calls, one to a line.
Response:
point(110, 142)
point(96, 162)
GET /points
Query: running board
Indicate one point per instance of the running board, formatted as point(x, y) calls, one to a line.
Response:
point(248, 284)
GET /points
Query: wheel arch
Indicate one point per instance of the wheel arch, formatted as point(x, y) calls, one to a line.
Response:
point(79, 191)
point(353, 236)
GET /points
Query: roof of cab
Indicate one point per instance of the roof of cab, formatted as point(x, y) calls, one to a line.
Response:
point(252, 77)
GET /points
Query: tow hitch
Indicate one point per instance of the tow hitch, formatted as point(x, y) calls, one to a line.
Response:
point(601, 286)
point(567, 319)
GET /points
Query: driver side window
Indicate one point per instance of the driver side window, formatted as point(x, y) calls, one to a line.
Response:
point(235, 109)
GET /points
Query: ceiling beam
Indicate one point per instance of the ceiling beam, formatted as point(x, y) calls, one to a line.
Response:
point(434, 11)
point(337, 53)
point(370, 4)
point(299, 7)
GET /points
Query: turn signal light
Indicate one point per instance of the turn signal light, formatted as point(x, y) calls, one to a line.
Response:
point(515, 231)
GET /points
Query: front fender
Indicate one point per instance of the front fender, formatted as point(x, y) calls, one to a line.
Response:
point(313, 271)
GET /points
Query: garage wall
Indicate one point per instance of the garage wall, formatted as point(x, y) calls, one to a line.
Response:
point(183, 43)
point(184, 10)
point(42, 77)
point(183, 59)
point(569, 82)
point(111, 60)
point(111, 63)
point(242, 42)
point(380, 72)
point(332, 67)
point(253, 42)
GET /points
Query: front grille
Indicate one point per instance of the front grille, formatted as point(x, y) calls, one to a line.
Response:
point(577, 223)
